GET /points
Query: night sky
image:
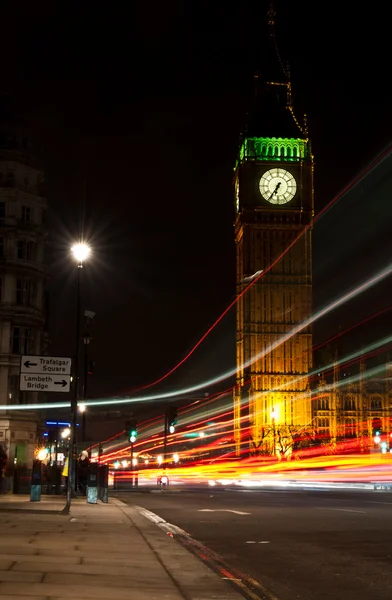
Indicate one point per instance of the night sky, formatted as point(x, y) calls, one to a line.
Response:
point(139, 112)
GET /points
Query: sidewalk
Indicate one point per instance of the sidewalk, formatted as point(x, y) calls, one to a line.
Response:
point(101, 551)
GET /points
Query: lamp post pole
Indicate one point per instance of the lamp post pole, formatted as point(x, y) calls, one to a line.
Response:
point(89, 315)
point(80, 252)
point(165, 441)
point(273, 415)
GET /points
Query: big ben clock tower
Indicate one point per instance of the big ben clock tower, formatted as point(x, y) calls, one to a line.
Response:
point(273, 185)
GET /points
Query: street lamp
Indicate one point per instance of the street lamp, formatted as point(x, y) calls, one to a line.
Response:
point(273, 417)
point(66, 433)
point(80, 252)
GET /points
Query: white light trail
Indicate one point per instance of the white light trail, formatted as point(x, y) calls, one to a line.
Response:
point(129, 399)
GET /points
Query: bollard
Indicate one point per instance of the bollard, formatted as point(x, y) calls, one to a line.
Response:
point(92, 484)
point(103, 482)
point(36, 482)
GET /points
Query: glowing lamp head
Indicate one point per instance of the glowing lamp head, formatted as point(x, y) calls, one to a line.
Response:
point(172, 429)
point(42, 454)
point(81, 252)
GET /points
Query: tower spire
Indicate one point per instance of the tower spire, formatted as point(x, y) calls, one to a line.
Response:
point(271, 14)
point(272, 113)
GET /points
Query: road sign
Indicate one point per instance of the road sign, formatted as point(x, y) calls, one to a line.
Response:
point(50, 365)
point(38, 382)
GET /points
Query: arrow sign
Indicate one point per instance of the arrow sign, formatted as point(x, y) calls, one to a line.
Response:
point(62, 383)
point(40, 382)
point(46, 365)
point(29, 364)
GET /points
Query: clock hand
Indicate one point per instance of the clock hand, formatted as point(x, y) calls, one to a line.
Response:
point(275, 190)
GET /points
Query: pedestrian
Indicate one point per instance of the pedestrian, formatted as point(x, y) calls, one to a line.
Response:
point(65, 470)
point(83, 467)
point(3, 464)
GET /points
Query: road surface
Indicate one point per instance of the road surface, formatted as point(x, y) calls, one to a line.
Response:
point(307, 545)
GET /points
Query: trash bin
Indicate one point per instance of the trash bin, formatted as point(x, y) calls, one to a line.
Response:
point(36, 482)
point(92, 484)
point(103, 483)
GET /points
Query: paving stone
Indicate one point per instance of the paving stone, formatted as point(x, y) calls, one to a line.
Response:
point(6, 597)
point(112, 581)
point(21, 548)
point(37, 558)
point(29, 577)
point(86, 592)
point(116, 570)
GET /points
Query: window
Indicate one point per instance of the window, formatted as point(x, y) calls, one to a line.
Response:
point(25, 291)
point(375, 403)
point(2, 212)
point(13, 389)
point(10, 178)
point(350, 428)
point(26, 250)
point(323, 404)
point(26, 214)
point(21, 340)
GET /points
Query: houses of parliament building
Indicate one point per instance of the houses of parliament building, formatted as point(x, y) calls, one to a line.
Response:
point(279, 395)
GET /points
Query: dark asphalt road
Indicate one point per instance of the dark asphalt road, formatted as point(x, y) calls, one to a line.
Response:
point(306, 545)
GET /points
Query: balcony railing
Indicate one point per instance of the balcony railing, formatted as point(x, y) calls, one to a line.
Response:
point(22, 263)
point(29, 311)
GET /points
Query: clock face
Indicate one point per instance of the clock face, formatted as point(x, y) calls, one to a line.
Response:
point(278, 186)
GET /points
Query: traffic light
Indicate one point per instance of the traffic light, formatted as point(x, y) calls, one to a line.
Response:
point(377, 430)
point(172, 418)
point(131, 430)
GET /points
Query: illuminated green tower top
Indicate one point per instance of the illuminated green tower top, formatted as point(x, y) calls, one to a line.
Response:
point(273, 133)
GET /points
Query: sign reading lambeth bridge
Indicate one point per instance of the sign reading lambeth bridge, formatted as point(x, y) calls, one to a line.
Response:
point(45, 374)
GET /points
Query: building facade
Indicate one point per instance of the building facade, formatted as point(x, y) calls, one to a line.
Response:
point(352, 409)
point(22, 281)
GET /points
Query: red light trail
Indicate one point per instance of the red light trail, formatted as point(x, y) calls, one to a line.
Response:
point(382, 156)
